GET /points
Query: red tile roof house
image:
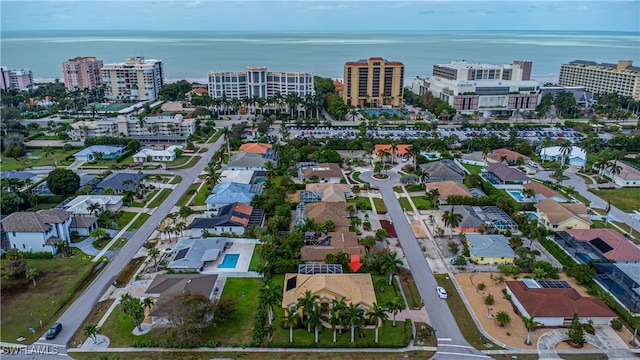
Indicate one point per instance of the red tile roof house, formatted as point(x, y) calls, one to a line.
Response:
point(619, 247)
point(496, 156)
point(555, 306)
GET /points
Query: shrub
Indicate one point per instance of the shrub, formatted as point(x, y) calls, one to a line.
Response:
point(489, 300)
point(481, 286)
point(37, 255)
point(616, 324)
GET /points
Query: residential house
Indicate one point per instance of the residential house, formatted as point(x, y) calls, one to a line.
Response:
point(191, 254)
point(474, 218)
point(443, 170)
point(165, 287)
point(19, 176)
point(352, 288)
point(323, 211)
point(239, 176)
point(562, 216)
point(622, 279)
point(399, 153)
point(448, 188)
point(37, 231)
point(85, 204)
point(168, 154)
point(543, 192)
point(327, 192)
point(608, 242)
point(119, 182)
point(501, 174)
point(490, 249)
point(511, 157)
point(255, 148)
point(323, 173)
point(554, 303)
point(576, 157)
point(232, 218)
point(83, 225)
point(249, 161)
point(340, 240)
point(93, 153)
point(629, 175)
point(229, 193)
point(85, 180)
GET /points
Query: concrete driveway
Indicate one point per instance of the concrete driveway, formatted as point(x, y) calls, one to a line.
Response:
point(605, 338)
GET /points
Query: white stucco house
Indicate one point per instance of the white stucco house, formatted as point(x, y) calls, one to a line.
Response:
point(37, 231)
point(577, 157)
point(168, 154)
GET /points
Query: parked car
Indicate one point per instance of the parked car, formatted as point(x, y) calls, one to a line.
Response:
point(135, 164)
point(442, 293)
point(53, 331)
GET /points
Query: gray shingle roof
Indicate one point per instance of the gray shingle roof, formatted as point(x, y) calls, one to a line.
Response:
point(34, 221)
point(116, 180)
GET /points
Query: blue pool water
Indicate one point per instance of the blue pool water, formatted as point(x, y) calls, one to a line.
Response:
point(533, 216)
point(517, 195)
point(229, 261)
point(432, 156)
point(584, 257)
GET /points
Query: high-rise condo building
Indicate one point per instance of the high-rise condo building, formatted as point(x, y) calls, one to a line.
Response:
point(82, 73)
point(258, 82)
point(622, 79)
point(373, 82)
point(488, 89)
point(135, 79)
point(20, 79)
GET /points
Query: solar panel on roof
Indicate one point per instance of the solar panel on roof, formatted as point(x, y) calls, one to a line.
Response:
point(181, 254)
point(601, 245)
point(292, 283)
point(553, 284)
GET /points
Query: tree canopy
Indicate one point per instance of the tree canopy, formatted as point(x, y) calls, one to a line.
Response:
point(63, 182)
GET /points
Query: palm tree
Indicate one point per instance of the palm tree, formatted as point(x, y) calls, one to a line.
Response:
point(413, 152)
point(91, 330)
point(528, 193)
point(290, 319)
point(354, 316)
point(334, 319)
point(147, 303)
point(271, 295)
point(340, 307)
point(434, 196)
point(530, 324)
point(153, 253)
point(315, 318)
point(394, 150)
point(391, 265)
point(614, 168)
point(306, 302)
point(502, 317)
point(565, 150)
point(94, 208)
point(451, 219)
point(133, 307)
point(377, 314)
point(141, 122)
point(48, 150)
point(269, 170)
point(395, 305)
point(32, 273)
point(180, 227)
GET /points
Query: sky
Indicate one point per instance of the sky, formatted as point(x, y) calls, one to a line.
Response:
point(349, 15)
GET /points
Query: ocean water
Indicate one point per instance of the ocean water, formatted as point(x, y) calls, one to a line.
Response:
point(192, 54)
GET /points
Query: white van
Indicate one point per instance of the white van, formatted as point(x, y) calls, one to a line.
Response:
point(442, 293)
point(532, 164)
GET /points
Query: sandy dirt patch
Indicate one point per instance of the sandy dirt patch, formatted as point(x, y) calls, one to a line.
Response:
point(513, 334)
point(418, 230)
point(565, 346)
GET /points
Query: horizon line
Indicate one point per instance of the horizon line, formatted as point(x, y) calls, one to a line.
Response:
point(334, 31)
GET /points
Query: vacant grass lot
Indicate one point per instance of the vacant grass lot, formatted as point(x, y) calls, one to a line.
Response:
point(405, 204)
point(421, 202)
point(187, 195)
point(139, 221)
point(24, 305)
point(36, 157)
point(124, 219)
point(461, 314)
point(474, 169)
point(625, 199)
point(184, 162)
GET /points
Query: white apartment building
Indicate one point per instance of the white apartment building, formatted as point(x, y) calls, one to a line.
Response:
point(135, 79)
point(489, 89)
point(259, 82)
point(622, 78)
point(156, 128)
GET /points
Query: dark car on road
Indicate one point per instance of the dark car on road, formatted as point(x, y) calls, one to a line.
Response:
point(53, 331)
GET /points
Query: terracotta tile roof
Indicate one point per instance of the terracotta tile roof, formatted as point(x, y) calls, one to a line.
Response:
point(557, 302)
point(628, 172)
point(255, 148)
point(497, 154)
point(323, 211)
point(543, 190)
point(331, 192)
point(402, 148)
point(338, 85)
point(38, 221)
point(448, 188)
point(353, 288)
point(560, 212)
point(623, 249)
point(323, 171)
point(341, 240)
point(243, 209)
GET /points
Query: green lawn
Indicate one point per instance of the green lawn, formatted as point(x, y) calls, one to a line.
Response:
point(184, 162)
point(24, 305)
point(474, 169)
point(37, 158)
point(187, 195)
point(379, 203)
point(625, 199)
point(356, 177)
point(421, 202)
point(124, 219)
point(255, 259)
point(160, 198)
point(404, 203)
point(389, 293)
point(215, 136)
point(410, 289)
point(176, 180)
point(415, 188)
point(139, 221)
point(279, 355)
point(201, 196)
point(461, 314)
point(398, 189)
point(119, 326)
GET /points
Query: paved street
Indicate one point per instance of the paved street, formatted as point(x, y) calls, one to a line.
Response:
point(451, 343)
point(583, 189)
point(78, 311)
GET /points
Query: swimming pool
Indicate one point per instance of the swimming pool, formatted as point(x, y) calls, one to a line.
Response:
point(230, 261)
point(516, 195)
point(533, 216)
point(585, 258)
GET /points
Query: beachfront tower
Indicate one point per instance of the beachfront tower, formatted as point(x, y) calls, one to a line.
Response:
point(82, 73)
point(136, 79)
point(622, 78)
point(373, 82)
